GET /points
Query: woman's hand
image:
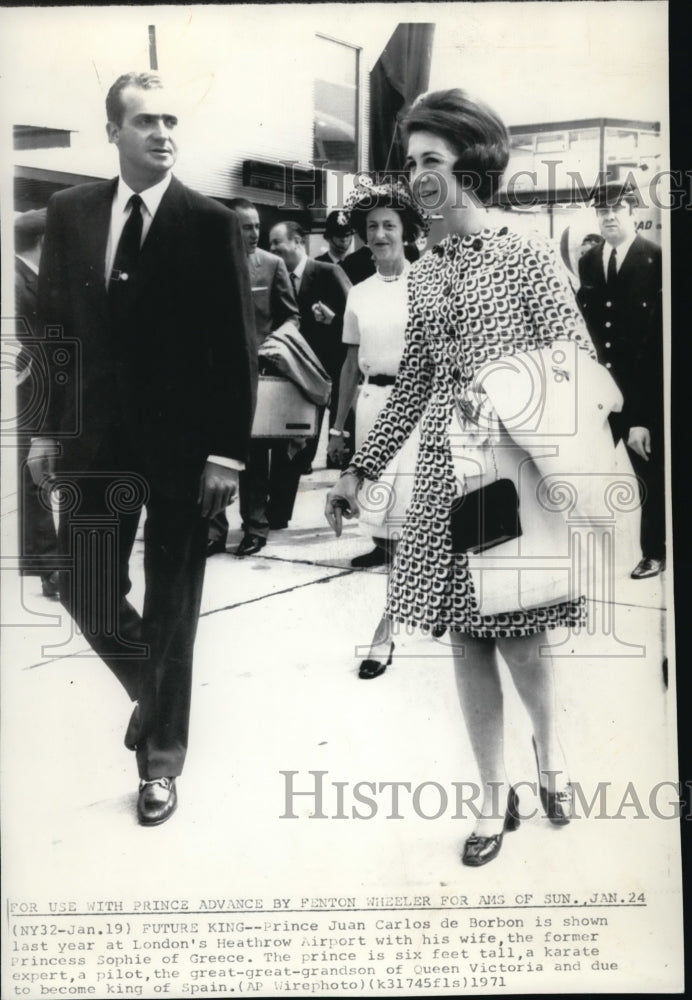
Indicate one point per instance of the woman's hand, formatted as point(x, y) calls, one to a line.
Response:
point(341, 501)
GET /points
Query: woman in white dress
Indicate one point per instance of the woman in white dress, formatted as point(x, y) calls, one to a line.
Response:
point(386, 219)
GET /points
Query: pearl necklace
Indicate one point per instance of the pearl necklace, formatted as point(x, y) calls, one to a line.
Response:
point(389, 277)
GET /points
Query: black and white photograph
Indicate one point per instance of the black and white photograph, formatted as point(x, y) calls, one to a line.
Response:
point(338, 650)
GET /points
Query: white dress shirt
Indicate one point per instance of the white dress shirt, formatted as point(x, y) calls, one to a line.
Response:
point(621, 251)
point(298, 271)
point(120, 213)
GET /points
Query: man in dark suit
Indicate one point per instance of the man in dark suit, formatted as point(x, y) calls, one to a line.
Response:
point(620, 296)
point(37, 537)
point(321, 291)
point(339, 236)
point(269, 472)
point(147, 281)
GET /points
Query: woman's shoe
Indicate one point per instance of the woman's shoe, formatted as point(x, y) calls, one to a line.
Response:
point(480, 850)
point(556, 805)
point(378, 557)
point(373, 668)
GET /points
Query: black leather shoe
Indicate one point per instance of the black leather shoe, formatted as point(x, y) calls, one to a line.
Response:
point(648, 567)
point(132, 733)
point(378, 557)
point(49, 585)
point(480, 850)
point(250, 544)
point(215, 546)
point(557, 806)
point(373, 668)
point(157, 801)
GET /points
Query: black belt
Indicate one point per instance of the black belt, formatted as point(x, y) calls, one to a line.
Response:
point(381, 379)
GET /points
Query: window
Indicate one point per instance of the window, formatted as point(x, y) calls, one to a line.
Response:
point(336, 105)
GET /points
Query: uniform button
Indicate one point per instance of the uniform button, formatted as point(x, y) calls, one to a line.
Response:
point(607, 343)
point(644, 304)
point(608, 364)
point(608, 305)
point(608, 325)
point(600, 406)
point(124, 275)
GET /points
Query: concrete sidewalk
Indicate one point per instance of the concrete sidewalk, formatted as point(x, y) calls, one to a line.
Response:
point(276, 690)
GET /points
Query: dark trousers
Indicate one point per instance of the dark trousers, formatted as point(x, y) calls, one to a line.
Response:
point(307, 456)
point(268, 489)
point(150, 654)
point(652, 489)
point(651, 475)
point(38, 544)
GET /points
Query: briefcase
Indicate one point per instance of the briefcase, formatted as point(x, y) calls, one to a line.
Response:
point(282, 410)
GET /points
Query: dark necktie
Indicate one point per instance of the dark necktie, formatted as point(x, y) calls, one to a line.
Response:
point(612, 271)
point(127, 254)
point(294, 282)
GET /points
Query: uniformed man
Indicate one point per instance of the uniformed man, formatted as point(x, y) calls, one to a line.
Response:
point(620, 296)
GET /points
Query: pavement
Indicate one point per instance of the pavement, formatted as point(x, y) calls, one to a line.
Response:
point(276, 698)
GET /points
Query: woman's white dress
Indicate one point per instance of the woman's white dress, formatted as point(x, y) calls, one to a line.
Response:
point(375, 320)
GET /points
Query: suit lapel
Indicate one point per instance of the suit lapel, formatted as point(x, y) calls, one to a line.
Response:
point(598, 275)
point(632, 258)
point(94, 225)
point(168, 231)
point(306, 282)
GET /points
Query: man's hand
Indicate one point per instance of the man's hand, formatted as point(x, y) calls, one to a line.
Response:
point(41, 460)
point(322, 313)
point(217, 488)
point(639, 441)
point(341, 501)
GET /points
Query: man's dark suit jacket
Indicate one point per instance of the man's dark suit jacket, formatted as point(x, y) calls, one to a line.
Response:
point(165, 379)
point(178, 380)
point(324, 283)
point(622, 324)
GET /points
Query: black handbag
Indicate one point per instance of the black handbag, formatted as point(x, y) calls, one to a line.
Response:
point(485, 517)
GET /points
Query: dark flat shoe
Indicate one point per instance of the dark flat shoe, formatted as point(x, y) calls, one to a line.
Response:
point(480, 850)
point(378, 557)
point(557, 806)
point(648, 567)
point(371, 668)
point(216, 546)
point(50, 585)
point(157, 801)
point(250, 544)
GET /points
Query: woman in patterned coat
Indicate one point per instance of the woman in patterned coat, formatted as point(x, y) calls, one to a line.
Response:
point(479, 295)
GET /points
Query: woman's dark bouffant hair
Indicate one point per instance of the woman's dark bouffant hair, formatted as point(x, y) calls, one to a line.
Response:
point(408, 215)
point(472, 129)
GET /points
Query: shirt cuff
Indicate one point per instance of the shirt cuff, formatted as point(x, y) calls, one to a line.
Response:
point(228, 463)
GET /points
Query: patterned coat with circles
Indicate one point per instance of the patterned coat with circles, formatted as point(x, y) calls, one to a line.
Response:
point(472, 299)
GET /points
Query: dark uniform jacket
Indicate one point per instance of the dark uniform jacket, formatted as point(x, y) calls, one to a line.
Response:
point(625, 325)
